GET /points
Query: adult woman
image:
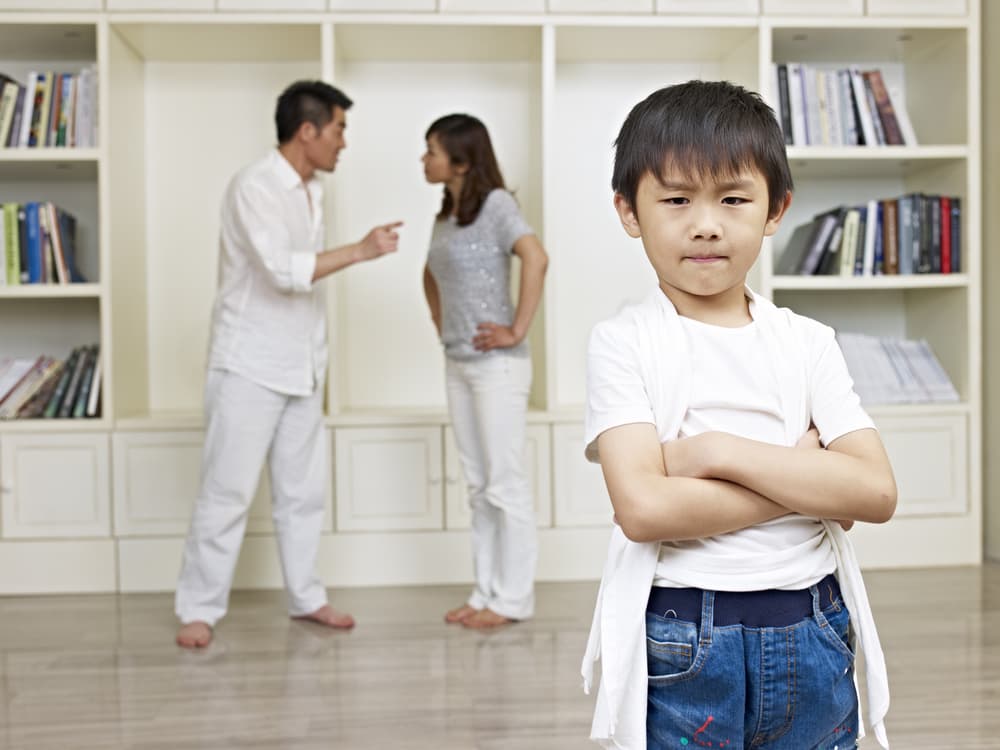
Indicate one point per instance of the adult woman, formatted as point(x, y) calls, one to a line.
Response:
point(488, 365)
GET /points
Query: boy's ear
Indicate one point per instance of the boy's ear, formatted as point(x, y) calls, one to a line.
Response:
point(626, 213)
point(773, 222)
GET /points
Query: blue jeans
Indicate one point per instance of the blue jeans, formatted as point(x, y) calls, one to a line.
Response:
point(752, 688)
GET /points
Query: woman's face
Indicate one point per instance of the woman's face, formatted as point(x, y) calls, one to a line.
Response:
point(437, 164)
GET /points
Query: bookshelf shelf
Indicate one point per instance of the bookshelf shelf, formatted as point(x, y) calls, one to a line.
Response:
point(18, 155)
point(880, 411)
point(900, 162)
point(54, 426)
point(848, 283)
point(42, 291)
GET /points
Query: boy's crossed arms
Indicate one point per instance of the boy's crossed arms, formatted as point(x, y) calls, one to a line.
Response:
point(716, 482)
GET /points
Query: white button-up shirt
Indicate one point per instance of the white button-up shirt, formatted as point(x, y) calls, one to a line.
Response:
point(269, 321)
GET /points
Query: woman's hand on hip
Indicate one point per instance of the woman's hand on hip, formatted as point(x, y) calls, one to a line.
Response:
point(493, 336)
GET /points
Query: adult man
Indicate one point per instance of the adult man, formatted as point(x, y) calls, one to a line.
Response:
point(267, 363)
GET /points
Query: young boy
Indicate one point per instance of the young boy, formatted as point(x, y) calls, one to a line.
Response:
point(722, 619)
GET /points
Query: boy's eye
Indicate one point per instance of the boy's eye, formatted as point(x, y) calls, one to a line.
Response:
point(733, 200)
point(675, 200)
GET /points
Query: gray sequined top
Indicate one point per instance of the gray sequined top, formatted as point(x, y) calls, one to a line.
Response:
point(471, 266)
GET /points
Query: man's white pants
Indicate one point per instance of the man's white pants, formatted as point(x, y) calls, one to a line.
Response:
point(488, 401)
point(246, 423)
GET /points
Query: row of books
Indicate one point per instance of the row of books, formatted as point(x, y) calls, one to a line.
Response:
point(45, 387)
point(913, 233)
point(840, 107)
point(49, 109)
point(37, 244)
point(891, 370)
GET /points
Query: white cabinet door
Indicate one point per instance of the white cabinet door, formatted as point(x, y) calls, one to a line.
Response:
point(492, 6)
point(728, 7)
point(156, 478)
point(54, 485)
point(929, 457)
point(917, 8)
point(51, 4)
point(812, 8)
point(537, 460)
point(579, 494)
point(161, 4)
point(383, 5)
point(272, 5)
point(600, 6)
point(388, 478)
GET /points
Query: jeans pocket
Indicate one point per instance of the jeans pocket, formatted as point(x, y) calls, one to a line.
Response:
point(838, 629)
point(671, 646)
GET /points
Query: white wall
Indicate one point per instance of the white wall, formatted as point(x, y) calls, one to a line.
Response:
point(991, 268)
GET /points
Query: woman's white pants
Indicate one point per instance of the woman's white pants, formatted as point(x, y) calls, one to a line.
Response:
point(488, 401)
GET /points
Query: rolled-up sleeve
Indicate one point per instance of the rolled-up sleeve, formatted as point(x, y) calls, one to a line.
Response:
point(256, 219)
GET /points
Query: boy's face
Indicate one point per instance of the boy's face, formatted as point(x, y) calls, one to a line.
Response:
point(701, 235)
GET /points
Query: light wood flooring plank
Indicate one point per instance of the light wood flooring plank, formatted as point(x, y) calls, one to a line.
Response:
point(101, 672)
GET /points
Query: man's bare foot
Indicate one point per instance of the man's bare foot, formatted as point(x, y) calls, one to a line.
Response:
point(194, 635)
point(485, 619)
point(327, 615)
point(460, 614)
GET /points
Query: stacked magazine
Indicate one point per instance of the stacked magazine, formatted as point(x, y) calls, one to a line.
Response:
point(889, 370)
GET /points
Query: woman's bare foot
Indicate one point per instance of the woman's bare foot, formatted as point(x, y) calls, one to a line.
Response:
point(194, 635)
point(460, 614)
point(327, 615)
point(485, 619)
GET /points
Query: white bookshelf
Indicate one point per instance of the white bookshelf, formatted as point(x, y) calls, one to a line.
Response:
point(187, 96)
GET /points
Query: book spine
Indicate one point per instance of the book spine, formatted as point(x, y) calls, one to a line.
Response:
point(784, 104)
point(945, 234)
point(890, 237)
point(73, 387)
point(886, 112)
point(956, 234)
point(52, 407)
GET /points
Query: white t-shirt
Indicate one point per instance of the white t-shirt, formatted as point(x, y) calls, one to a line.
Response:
point(735, 389)
point(639, 370)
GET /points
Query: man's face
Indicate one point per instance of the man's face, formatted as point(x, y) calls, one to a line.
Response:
point(701, 235)
point(323, 146)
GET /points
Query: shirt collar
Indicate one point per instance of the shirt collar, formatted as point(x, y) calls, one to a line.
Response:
point(285, 173)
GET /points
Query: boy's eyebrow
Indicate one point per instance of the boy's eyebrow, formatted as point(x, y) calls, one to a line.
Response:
point(744, 184)
point(733, 184)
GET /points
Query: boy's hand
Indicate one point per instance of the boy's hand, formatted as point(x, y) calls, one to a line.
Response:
point(691, 456)
point(845, 525)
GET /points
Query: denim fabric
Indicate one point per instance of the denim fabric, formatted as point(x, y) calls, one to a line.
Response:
point(737, 687)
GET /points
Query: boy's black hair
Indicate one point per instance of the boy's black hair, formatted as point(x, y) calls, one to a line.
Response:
point(713, 128)
point(307, 101)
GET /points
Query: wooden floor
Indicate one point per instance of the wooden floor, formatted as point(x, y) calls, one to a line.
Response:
point(102, 671)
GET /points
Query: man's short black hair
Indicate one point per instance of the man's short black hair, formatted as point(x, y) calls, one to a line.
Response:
point(698, 128)
point(307, 101)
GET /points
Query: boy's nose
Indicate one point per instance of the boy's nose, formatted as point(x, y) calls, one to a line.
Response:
point(706, 227)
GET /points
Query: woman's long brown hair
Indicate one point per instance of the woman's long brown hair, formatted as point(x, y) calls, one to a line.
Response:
point(467, 143)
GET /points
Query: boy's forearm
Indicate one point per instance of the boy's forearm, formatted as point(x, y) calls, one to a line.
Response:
point(651, 506)
point(818, 483)
point(678, 508)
